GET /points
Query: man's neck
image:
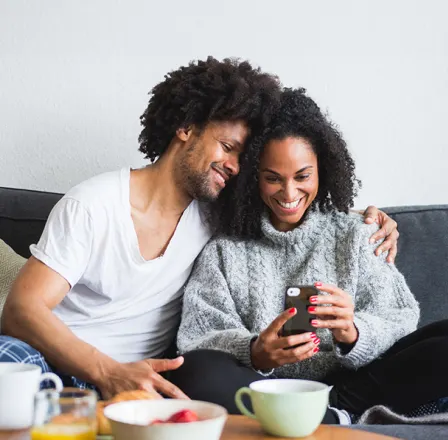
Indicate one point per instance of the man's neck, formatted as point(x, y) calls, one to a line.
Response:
point(154, 189)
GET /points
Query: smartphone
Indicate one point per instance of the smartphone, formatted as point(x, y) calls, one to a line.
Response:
point(299, 297)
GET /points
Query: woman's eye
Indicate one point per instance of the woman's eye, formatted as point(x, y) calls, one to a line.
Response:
point(302, 177)
point(272, 179)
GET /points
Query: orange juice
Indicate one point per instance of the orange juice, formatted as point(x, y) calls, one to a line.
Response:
point(53, 431)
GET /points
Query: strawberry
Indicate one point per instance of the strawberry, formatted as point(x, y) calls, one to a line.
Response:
point(184, 416)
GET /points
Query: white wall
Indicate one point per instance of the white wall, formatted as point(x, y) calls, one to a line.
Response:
point(74, 77)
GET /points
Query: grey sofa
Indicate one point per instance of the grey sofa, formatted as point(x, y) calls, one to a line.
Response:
point(422, 258)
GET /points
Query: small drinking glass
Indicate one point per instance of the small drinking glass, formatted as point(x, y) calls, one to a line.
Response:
point(66, 415)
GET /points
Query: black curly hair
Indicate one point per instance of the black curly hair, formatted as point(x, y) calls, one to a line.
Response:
point(206, 91)
point(239, 208)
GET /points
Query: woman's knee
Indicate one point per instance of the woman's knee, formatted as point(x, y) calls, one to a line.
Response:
point(213, 376)
point(203, 365)
point(437, 328)
point(208, 359)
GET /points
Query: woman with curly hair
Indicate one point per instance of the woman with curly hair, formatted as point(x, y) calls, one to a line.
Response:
point(285, 221)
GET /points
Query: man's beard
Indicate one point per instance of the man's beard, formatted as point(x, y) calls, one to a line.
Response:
point(197, 184)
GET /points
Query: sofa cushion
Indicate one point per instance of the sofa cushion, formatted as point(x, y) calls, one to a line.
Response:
point(23, 214)
point(10, 264)
point(414, 432)
point(423, 256)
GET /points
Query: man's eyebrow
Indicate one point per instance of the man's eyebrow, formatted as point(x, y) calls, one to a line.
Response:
point(236, 143)
point(297, 172)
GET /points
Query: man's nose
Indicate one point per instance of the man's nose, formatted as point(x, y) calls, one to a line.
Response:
point(232, 165)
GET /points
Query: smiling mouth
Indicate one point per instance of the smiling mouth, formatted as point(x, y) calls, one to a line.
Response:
point(289, 205)
point(222, 177)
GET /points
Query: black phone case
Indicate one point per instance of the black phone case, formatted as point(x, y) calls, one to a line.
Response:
point(300, 322)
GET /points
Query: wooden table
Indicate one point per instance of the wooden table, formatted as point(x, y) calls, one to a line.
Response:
point(243, 428)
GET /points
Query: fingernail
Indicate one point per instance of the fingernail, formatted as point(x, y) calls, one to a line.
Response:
point(313, 335)
point(318, 284)
point(372, 240)
point(313, 299)
point(314, 322)
point(292, 311)
point(315, 349)
point(317, 341)
point(311, 309)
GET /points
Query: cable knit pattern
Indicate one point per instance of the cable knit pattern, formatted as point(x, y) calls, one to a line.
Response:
point(237, 288)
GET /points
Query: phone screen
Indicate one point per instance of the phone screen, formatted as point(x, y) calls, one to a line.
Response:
point(299, 297)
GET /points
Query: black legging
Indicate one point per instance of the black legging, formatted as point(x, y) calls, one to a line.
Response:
point(411, 373)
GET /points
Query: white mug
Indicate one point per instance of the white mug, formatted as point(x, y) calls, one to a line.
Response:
point(286, 407)
point(18, 385)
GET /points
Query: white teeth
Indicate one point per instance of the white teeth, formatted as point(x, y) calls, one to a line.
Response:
point(291, 205)
point(220, 177)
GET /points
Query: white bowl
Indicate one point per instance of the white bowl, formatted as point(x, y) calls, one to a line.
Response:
point(130, 420)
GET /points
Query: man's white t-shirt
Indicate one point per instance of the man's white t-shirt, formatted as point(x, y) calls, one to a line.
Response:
point(127, 307)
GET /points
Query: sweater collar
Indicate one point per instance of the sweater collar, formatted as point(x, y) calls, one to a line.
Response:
point(303, 235)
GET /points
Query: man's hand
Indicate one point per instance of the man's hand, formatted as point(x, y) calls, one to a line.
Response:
point(270, 350)
point(141, 375)
point(388, 231)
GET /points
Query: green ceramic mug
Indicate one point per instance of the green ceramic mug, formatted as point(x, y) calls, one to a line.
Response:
point(286, 407)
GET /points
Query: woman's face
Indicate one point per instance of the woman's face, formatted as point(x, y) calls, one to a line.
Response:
point(289, 180)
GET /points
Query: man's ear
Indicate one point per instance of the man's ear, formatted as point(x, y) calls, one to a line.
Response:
point(184, 133)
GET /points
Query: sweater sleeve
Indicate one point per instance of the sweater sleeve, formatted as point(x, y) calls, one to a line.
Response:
point(209, 316)
point(385, 308)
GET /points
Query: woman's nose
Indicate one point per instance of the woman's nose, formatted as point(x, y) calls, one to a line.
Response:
point(290, 192)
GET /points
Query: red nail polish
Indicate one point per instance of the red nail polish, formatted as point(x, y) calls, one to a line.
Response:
point(314, 322)
point(313, 299)
point(315, 349)
point(311, 309)
point(292, 311)
point(318, 284)
point(317, 341)
point(313, 335)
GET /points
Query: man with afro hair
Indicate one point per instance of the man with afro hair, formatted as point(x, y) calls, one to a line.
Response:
point(99, 301)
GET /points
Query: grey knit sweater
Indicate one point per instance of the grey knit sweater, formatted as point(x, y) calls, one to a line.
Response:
point(237, 288)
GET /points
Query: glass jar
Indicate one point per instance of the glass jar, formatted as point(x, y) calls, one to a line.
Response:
point(66, 415)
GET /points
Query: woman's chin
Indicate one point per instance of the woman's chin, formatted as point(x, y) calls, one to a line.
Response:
point(286, 222)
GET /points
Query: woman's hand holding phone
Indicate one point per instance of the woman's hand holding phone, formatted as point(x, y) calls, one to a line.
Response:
point(337, 316)
point(271, 350)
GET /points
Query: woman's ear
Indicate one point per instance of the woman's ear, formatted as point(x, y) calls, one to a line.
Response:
point(184, 133)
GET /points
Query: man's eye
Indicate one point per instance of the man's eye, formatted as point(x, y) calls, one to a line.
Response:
point(227, 148)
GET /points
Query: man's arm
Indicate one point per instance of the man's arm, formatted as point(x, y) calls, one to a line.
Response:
point(388, 230)
point(28, 316)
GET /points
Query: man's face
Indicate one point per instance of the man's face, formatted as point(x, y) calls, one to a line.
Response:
point(210, 158)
